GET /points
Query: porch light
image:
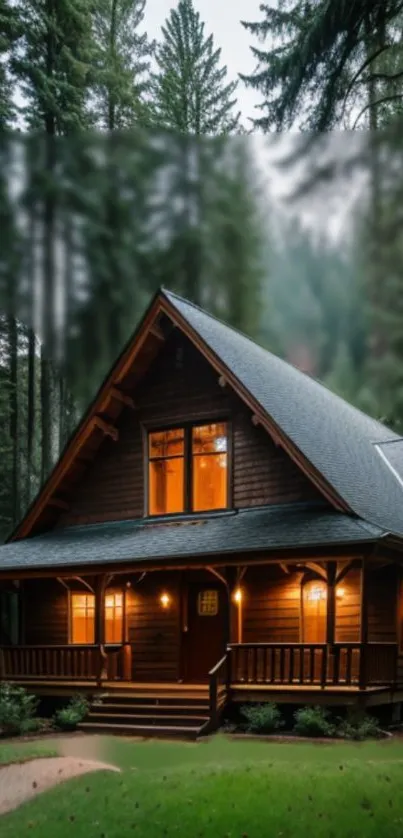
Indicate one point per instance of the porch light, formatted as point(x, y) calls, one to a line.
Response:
point(238, 596)
point(316, 593)
point(340, 593)
point(165, 600)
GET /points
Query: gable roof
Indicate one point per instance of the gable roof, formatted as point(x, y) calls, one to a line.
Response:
point(278, 528)
point(339, 440)
point(341, 448)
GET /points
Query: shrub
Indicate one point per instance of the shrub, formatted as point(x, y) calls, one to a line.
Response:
point(363, 727)
point(262, 718)
point(17, 710)
point(313, 721)
point(70, 716)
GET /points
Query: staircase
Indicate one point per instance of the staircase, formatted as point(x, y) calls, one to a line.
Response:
point(151, 710)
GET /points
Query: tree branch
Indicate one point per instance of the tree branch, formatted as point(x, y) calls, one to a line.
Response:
point(375, 104)
point(366, 63)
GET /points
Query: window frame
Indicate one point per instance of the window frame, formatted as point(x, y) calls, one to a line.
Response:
point(187, 425)
point(115, 592)
point(71, 595)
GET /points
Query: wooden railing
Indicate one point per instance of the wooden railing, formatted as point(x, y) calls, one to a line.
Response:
point(313, 664)
point(77, 662)
point(218, 687)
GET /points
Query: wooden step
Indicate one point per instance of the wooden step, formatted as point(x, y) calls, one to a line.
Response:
point(154, 699)
point(178, 731)
point(149, 719)
point(183, 709)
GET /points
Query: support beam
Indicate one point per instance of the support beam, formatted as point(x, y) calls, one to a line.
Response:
point(218, 575)
point(108, 430)
point(122, 397)
point(344, 570)
point(156, 331)
point(331, 603)
point(320, 571)
point(284, 568)
point(364, 624)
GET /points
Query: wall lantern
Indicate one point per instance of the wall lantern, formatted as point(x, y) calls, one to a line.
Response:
point(340, 593)
point(238, 596)
point(316, 593)
point(165, 600)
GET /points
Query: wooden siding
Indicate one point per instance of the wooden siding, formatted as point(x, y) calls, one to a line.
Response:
point(153, 630)
point(348, 609)
point(271, 606)
point(45, 612)
point(181, 386)
point(382, 601)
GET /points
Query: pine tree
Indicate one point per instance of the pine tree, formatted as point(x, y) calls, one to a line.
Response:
point(10, 33)
point(190, 88)
point(118, 95)
point(324, 54)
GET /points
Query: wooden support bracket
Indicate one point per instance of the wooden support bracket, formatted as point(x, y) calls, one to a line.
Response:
point(222, 381)
point(108, 430)
point(120, 396)
point(156, 331)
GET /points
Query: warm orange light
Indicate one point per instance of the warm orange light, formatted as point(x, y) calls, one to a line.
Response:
point(238, 596)
point(165, 600)
point(340, 593)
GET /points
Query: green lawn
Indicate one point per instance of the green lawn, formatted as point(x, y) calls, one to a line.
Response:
point(23, 751)
point(225, 789)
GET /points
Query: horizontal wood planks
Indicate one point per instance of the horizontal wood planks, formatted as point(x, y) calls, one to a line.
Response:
point(45, 612)
point(348, 608)
point(179, 386)
point(153, 630)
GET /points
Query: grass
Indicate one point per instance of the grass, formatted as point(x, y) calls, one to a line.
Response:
point(225, 789)
point(23, 751)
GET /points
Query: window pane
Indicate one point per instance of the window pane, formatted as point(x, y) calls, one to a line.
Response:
point(166, 443)
point(82, 618)
point(166, 486)
point(113, 618)
point(210, 439)
point(209, 482)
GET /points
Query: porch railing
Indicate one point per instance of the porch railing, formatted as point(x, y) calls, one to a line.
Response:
point(85, 662)
point(219, 678)
point(314, 664)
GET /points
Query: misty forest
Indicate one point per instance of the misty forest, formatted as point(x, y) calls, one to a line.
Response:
point(126, 164)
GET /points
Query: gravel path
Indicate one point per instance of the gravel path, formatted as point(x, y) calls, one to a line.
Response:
point(21, 781)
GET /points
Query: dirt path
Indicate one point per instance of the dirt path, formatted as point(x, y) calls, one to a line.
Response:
point(20, 782)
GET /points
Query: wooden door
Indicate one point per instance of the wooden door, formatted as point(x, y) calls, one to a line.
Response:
point(314, 602)
point(207, 629)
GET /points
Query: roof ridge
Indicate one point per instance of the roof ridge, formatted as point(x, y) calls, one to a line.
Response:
point(281, 360)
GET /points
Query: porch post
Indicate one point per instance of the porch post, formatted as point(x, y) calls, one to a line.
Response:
point(364, 625)
point(100, 623)
point(331, 603)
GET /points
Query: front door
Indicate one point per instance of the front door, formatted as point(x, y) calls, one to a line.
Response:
point(207, 629)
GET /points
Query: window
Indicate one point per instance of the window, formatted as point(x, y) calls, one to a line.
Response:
point(314, 609)
point(188, 469)
point(113, 618)
point(82, 618)
point(207, 603)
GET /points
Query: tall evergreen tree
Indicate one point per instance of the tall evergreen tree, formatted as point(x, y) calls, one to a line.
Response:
point(10, 32)
point(191, 91)
point(118, 95)
point(323, 53)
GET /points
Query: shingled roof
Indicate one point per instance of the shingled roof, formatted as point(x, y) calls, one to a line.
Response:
point(357, 458)
point(266, 528)
point(339, 440)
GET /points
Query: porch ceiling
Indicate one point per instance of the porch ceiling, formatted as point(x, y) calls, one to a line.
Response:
point(265, 528)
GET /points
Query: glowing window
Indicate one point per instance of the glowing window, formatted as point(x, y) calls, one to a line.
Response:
point(166, 472)
point(113, 618)
point(82, 618)
point(207, 603)
point(188, 469)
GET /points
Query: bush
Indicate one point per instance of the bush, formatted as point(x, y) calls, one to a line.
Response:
point(363, 727)
point(70, 716)
point(262, 718)
point(313, 721)
point(17, 710)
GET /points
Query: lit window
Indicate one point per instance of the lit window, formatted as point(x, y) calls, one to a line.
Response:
point(188, 469)
point(209, 467)
point(207, 603)
point(82, 618)
point(113, 618)
point(166, 472)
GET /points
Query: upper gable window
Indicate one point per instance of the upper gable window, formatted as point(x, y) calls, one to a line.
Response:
point(188, 469)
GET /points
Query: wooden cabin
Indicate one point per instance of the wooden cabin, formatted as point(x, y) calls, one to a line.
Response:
point(220, 528)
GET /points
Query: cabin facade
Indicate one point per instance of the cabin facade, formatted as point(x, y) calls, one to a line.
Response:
point(220, 528)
